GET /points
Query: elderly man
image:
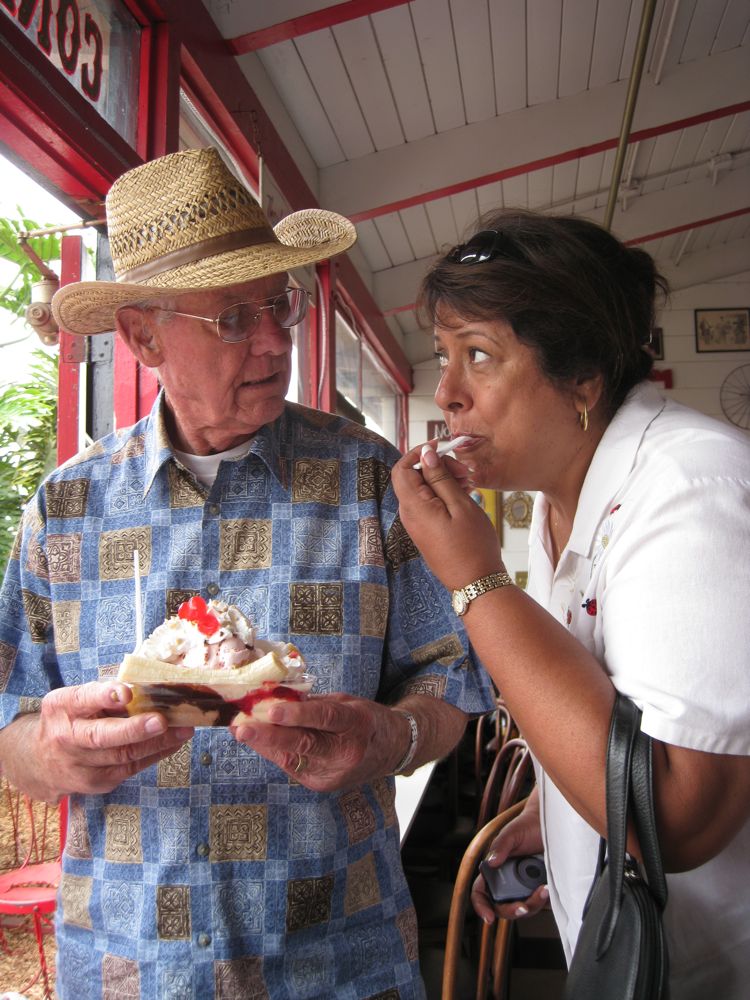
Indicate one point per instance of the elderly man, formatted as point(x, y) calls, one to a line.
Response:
point(261, 861)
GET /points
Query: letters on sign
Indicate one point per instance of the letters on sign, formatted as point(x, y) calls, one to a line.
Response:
point(77, 40)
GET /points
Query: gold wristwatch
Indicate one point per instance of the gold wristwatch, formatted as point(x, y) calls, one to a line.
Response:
point(461, 599)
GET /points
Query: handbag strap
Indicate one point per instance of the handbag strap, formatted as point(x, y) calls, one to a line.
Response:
point(629, 777)
point(622, 730)
point(641, 791)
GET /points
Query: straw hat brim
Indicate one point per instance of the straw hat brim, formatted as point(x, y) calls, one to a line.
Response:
point(305, 237)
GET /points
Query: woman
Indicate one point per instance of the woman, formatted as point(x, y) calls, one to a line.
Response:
point(639, 573)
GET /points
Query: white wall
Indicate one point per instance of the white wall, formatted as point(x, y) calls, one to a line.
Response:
point(696, 377)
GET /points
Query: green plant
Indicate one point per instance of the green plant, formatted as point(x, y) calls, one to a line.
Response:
point(17, 293)
point(28, 423)
point(28, 410)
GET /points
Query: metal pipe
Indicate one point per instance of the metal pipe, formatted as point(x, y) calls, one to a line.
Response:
point(639, 57)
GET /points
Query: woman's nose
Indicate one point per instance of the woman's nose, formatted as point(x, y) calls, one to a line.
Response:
point(450, 394)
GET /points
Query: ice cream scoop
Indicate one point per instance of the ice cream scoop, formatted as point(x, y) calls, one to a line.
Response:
point(445, 446)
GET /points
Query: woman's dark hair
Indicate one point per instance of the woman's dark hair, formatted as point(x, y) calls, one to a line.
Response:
point(583, 301)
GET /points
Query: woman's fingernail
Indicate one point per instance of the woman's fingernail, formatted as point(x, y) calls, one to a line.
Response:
point(156, 724)
point(544, 893)
point(521, 911)
point(491, 858)
point(429, 456)
point(114, 695)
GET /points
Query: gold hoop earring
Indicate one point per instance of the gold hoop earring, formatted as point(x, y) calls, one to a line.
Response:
point(583, 418)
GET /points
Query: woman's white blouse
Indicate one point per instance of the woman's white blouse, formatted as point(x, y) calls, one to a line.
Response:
point(655, 582)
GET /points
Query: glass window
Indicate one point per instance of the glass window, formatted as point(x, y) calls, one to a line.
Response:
point(364, 385)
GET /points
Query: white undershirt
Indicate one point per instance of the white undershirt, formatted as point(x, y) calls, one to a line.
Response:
point(206, 467)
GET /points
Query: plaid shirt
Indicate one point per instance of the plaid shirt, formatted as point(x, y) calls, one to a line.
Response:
point(213, 873)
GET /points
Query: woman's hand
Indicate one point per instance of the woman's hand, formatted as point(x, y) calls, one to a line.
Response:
point(80, 743)
point(520, 837)
point(455, 537)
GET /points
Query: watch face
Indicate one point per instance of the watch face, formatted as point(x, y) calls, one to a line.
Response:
point(459, 601)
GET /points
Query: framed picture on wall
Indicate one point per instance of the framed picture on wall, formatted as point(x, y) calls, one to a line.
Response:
point(722, 330)
point(655, 347)
point(491, 503)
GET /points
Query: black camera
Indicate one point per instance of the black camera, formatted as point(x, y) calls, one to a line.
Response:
point(516, 878)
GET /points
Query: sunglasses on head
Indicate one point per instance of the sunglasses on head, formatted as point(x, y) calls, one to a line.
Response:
point(488, 244)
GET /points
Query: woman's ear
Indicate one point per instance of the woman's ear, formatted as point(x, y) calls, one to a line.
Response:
point(138, 335)
point(589, 391)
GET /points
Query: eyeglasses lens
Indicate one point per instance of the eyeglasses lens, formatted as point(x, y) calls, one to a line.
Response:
point(237, 322)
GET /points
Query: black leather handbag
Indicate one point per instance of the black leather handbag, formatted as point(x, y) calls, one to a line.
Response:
point(621, 953)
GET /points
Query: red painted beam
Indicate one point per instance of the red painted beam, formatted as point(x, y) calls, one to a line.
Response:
point(548, 161)
point(688, 225)
point(307, 23)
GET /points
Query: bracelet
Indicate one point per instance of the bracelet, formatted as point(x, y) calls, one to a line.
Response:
point(413, 741)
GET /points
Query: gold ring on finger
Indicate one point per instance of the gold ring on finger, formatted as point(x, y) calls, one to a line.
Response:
point(301, 763)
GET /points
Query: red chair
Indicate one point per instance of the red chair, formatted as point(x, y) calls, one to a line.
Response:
point(29, 890)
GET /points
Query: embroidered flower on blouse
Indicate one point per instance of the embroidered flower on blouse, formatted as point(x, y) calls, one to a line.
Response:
point(590, 606)
point(605, 535)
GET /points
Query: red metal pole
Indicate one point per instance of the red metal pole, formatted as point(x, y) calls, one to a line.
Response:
point(72, 348)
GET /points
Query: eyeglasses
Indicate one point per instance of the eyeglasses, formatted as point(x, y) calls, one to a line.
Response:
point(486, 245)
point(237, 322)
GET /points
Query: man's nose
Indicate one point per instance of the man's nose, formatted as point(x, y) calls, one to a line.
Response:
point(270, 337)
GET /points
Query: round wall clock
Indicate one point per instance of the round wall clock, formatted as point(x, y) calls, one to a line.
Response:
point(734, 396)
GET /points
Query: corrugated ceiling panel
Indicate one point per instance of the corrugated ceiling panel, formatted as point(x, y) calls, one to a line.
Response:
point(442, 222)
point(508, 30)
point(679, 34)
point(371, 245)
point(576, 43)
point(606, 59)
point(417, 226)
point(516, 192)
point(564, 182)
point(327, 72)
point(432, 23)
point(704, 25)
point(398, 47)
point(394, 238)
point(543, 32)
point(465, 212)
point(361, 56)
point(490, 197)
point(472, 33)
point(540, 188)
point(285, 69)
point(733, 27)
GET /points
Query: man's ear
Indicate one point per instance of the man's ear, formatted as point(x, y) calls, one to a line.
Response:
point(138, 335)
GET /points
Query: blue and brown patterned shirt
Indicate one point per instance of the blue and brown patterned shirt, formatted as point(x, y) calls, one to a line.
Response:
point(213, 874)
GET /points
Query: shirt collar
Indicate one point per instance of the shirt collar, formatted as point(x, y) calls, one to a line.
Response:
point(268, 444)
point(612, 461)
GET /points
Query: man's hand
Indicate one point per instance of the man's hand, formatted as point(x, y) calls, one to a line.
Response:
point(330, 742)
point(79, 742)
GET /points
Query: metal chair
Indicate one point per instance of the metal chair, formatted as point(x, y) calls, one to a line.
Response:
point(29, 889)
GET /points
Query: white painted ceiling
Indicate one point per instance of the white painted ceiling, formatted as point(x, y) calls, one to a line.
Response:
point(416, 118)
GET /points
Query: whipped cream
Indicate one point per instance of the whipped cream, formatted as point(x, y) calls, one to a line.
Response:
point(180, 640)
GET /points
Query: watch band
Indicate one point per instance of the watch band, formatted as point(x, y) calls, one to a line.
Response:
point(413, 741)
point(462, 598)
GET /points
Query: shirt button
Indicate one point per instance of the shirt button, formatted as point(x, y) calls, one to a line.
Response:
point(202, 850)
point(213, 589)
point(214, 508)
point(204, 940)
point(206, 758)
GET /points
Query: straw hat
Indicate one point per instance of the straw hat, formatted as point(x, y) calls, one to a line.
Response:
point(184, 222)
